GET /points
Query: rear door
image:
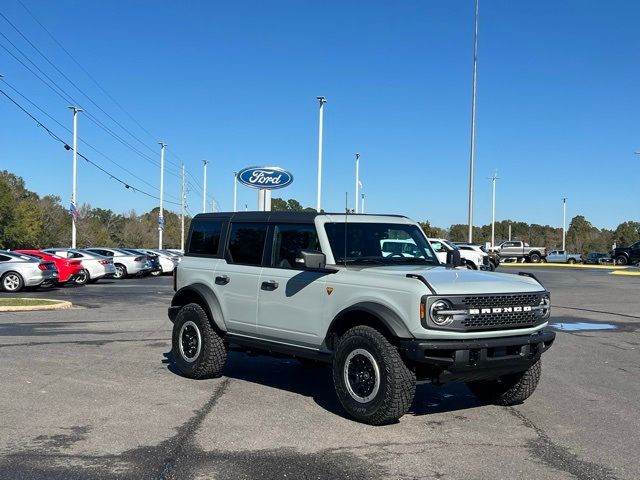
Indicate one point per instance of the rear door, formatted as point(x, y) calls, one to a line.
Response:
point(290, 299)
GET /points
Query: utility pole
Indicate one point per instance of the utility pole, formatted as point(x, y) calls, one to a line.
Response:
point(74, 203)
point(473, 124)
point(235, 191)
point(322, 101)
point(564, 222)
point(204, 187)
point(357, 181)
point(362, 209)
point(161, 212)
point(182, 199)
point(493, 209)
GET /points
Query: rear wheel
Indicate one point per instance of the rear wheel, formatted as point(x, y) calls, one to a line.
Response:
point(198, 350)
point(372, 382)
point(509, 389)
point(12, 282)
point(534, 258)
point(82, 278)
point(121, 271)
point(621, 260)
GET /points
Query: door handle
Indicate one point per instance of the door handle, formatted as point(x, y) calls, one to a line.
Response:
point(222, 280)
point(270, 285)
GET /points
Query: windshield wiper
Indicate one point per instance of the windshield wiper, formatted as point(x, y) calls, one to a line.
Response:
point(352, 260)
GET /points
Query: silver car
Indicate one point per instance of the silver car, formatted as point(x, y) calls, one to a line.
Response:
point(18, 271)
point(125, 263)
point(168, 261)
point(94, 266)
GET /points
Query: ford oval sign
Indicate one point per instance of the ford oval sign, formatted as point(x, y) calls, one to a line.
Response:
point(268, 178)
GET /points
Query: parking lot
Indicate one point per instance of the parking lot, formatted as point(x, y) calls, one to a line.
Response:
point(91, 392)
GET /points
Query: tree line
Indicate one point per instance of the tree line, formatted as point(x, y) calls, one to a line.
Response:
point(28, 220)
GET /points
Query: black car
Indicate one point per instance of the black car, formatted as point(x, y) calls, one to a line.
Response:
point(596, 258)
point(627, 255)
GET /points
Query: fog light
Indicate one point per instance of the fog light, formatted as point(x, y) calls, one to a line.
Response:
point(438, 318)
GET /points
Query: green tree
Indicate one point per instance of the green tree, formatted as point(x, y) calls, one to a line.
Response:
point(627, 233)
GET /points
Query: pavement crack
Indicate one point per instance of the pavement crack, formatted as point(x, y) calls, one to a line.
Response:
point(185, 435)
point(560, 457)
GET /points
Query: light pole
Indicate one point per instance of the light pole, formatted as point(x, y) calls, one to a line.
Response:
point(357, 181)
point(493, 209)
point(204, 187)
point(473, 124)
point(161, 212)
point(235, 191)
point(564, 221)
point(322, 101)
point(182, 199)
point(74, 206)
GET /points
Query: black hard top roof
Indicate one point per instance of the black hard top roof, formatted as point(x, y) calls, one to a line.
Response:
point(290, 217)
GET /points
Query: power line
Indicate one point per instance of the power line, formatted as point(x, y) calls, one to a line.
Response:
point(67, 147)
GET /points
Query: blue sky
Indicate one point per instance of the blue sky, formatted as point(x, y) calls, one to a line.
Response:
point(236, 83)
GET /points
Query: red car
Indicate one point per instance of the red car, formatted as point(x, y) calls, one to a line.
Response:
point(68, 268)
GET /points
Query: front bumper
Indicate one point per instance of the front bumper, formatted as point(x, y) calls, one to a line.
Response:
point(441, 361)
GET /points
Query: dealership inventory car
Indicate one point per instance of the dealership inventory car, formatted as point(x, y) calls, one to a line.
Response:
point(562, 256)
point(18, 271)
point(94, 266)
point(319, 287)
point(168, 261)
point(68, 268)
point(493, 257)
point(474, 259)
point(125, 263)
point(153, 260)
point(627, 255)
point(596, 258)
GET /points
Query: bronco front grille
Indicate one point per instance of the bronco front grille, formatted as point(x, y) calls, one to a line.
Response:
point(488, 301)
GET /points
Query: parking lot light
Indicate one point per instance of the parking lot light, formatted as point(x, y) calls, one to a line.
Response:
point(322, 101)
point(74, 203)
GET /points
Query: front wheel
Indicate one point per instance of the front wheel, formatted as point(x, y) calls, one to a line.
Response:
point(571, 261)
point(621, 260)
point(198, 350)
point(12, 282)
point(372, 382)
point(121, 271)
point(509, 389)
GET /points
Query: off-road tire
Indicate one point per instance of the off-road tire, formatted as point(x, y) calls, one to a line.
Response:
point(210, 359)
point(83, 278)
point(397, 383)
point(14, 282)
point(621, 260)
point(534, 258)
point(510, 389)
point(121, 271)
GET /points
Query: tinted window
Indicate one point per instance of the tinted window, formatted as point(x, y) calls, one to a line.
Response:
point(246, 243)
point(205, 237)
point(288, 240)
point(4, 258)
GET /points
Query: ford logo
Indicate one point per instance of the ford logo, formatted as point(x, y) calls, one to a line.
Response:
point(268, 178)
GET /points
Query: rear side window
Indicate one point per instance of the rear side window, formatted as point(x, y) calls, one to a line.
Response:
point(4, 258)
point(246, 243)
point(205, 237)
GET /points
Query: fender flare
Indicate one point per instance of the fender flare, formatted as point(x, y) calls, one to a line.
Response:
point(207, 300)
point(389, 318)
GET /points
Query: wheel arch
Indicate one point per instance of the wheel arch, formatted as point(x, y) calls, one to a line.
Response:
point(372, 314)
point(206, 298)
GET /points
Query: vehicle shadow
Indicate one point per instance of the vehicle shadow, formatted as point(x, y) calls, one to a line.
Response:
point(317, 382)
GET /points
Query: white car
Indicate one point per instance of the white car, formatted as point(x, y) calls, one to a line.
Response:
point(473, 259)
point(94, 266)
point(167, 262)
point(126, 263)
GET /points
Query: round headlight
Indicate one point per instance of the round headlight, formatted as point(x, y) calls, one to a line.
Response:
point(438, 318)
point(545, 303)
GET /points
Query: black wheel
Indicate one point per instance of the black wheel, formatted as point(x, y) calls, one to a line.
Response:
point(12, 282)
point(571, 261)
point(82, 278)
point(509, 389)
point(621, 260)
point(198, 350)
point(121, 271)
point(534, 258)
point(372, 382)
point(492, 266)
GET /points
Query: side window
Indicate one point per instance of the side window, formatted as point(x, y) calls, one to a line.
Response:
point(288, 240)
point(246, 243)
point(438, 247)
point(4, 258)
point(205, 237)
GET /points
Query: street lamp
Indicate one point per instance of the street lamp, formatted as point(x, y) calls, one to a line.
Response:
point(357, 180)
point(473, 124)
point(322, 101)
point(564, 221)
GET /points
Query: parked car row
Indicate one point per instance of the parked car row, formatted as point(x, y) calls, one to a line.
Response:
point(31, 268)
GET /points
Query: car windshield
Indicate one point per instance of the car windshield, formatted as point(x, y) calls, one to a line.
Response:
point(379, 244)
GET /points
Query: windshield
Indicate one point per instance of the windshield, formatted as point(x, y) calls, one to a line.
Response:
point(379, 243)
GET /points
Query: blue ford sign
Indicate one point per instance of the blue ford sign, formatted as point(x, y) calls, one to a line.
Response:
point(268, 178)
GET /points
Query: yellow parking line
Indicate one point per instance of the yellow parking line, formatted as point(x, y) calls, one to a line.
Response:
point(563, 265)
point(627, 273)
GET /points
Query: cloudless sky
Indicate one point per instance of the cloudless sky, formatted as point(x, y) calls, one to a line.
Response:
point(236, 83)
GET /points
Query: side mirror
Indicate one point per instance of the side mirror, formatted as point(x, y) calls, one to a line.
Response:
point(311, 259)
point(453, 258)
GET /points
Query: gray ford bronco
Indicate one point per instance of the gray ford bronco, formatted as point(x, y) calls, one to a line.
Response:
point(319, 288)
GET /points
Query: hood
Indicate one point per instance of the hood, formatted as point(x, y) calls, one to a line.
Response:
point(450, 281)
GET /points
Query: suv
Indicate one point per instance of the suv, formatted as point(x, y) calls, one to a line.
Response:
point(319, 287)
point(627, 255)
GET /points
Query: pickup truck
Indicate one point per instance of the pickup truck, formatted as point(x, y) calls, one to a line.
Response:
point(518, 249)
point(627, 255)
point(561, 256)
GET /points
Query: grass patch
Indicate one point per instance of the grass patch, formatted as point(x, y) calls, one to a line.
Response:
point(25, 302)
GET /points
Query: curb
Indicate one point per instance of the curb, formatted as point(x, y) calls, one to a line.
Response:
point(626, 273)
point(59, 305)
point(564, 265)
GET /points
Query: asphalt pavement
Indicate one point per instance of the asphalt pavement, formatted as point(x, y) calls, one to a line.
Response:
point(90, 392)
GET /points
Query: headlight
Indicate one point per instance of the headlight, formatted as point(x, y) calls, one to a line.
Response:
point(438, 318)
point(545, 306)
